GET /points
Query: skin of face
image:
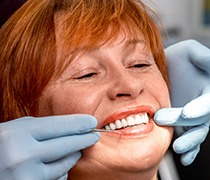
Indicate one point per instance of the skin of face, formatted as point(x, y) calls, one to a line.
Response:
point(114, 81)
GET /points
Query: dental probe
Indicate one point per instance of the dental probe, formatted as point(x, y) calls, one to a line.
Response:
point(104, 130)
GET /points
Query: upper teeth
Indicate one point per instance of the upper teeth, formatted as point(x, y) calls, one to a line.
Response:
point(128, 121)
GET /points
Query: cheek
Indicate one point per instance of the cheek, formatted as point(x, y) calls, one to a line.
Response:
point(158, 88)
point(68, 100)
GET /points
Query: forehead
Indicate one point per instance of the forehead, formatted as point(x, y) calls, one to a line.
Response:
point(86, 39)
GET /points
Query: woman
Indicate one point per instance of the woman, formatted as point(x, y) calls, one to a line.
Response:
point(101, 58)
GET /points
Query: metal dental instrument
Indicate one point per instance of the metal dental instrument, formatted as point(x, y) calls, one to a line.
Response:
point(104, 130)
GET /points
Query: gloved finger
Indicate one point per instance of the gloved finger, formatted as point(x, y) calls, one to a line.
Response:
point(64, 177)
point(188, 157)
point(56, 169)
point(57, 126)
point(191, 139)
point(67, 145)
point(172, 117)
point(198, 107)
point(199, 55)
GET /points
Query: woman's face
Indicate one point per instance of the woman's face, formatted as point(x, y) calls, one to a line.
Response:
point(120, 84)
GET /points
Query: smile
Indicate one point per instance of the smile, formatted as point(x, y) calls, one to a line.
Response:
point(131, 120)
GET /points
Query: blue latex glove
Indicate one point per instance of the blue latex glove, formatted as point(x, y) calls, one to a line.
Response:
point(44, 148)
point(189, 76)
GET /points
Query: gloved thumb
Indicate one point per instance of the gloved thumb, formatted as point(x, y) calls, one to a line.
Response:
point(168, 116)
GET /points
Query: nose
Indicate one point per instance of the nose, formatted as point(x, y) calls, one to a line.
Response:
point(125, 85)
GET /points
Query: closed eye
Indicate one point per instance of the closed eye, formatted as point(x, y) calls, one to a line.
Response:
point(89, 75)
point(140, 65)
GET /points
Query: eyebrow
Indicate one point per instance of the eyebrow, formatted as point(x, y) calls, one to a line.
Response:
point(132, 43)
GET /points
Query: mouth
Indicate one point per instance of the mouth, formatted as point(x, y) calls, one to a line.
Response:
point(134, 121)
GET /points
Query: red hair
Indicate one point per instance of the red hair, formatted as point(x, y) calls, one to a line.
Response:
point(28, 43)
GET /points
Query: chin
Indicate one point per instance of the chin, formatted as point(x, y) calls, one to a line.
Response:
point(128, 155)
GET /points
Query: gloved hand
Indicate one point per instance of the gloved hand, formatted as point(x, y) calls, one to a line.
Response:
point(189, 76)
point(44, 148)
